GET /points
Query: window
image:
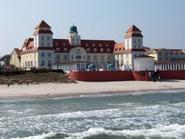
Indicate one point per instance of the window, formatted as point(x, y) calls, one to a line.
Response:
point(88, 57)
point(108, 49)
point(28, 63)
point(31, 63)
point(88, 49)
point(48, 44)
point(64, 44)
point(107, 45)
point(94, 45)
point(65, 49)
point(49, 63)
point(57, 49)
point(48, 37)
point(102, 57)
point(65, 57)
point(86, 44)
point(42, 44)
point(42, 38)
point(49, 55)
point(95, 49)
point(42, 63)
point(100, 45)
point(101, 49)
point(95, 57)
point(42, 55)
point(57, 57)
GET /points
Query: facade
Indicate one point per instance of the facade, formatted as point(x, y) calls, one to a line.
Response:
point(167, 55)
point(144, 63)
point(126, 52)
point(74, 53)
point(43, 51)
point(15, 58)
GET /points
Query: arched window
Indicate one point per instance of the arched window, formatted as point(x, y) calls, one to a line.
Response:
point(95, 49)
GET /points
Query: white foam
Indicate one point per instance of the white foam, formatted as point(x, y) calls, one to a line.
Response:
point(172, 131)
point(160, 132)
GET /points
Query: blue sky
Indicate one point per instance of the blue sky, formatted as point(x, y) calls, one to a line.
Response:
point(161, 21)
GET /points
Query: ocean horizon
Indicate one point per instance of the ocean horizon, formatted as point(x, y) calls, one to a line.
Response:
point(142, 115)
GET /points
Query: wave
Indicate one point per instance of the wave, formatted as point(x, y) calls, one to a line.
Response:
point(160, 132)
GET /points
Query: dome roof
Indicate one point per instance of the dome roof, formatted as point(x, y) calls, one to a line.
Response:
point(73, 29)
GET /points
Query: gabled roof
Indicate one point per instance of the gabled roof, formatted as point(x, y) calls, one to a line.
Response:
point(42, 24)
point(18, 51)
point(133, 28)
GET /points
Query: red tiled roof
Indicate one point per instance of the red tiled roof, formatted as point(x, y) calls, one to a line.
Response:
point(133, 28)
point(132, 50)
point(91, 46)
point(119, 48)
point(42, 24)
point(133, 31)
point(63, 46)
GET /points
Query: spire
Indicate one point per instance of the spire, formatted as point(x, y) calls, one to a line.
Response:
point(73, 29)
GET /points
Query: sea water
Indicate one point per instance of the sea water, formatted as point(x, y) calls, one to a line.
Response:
point(154, 115)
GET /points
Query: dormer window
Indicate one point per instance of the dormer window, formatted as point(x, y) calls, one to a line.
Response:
point(88, 49)
point(65, 49)
point(57, 49)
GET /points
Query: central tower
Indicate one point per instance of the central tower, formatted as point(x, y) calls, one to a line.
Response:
point(74, 38)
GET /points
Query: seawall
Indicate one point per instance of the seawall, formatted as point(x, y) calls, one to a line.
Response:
point(123, 75)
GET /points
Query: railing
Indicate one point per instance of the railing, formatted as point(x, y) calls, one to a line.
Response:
point(170, 66)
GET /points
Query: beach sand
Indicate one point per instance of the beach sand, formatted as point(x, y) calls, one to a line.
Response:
point(54, 90)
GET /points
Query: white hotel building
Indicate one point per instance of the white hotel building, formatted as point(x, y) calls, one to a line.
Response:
point(44, 51)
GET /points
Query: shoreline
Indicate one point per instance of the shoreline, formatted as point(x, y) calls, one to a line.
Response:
point(56, 90)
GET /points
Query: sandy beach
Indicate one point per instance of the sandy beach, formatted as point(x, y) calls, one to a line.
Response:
point(52, 90)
